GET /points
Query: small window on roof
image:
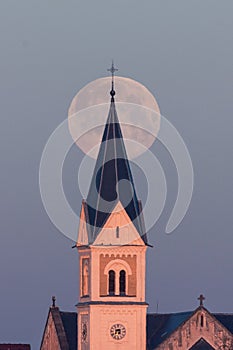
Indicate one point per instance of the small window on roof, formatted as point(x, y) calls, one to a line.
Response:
point(202, 321)
point(117, 232)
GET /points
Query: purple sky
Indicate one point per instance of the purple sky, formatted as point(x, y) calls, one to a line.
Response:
point(183, 53)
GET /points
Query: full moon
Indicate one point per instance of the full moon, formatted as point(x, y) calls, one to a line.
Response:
point(137, 110)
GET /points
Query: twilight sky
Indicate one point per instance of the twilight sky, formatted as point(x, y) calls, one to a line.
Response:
point(182, 51)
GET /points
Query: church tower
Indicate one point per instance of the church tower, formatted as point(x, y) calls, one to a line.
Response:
point(112, 246)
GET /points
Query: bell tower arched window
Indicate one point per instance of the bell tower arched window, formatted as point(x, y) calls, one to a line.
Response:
point(117, 279)
point(111, 282)
point(122, 282)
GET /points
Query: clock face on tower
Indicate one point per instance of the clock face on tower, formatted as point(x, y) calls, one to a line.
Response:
point(118, 331)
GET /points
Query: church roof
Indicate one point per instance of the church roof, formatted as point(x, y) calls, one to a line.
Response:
point(160, 326)
point(69, 320)
point(15, 347)
point(66, 328)
point(226, 320)
point(112, 180)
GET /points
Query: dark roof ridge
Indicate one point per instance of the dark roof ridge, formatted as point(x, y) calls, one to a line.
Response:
point(171, 313)
point(61, 334)
point(68, 312)
point(23, 346)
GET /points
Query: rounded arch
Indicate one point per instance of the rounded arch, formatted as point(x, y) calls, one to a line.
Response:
point(117, 265)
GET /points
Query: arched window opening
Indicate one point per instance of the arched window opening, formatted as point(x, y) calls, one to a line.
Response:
point(122, 282)
point(202, 321)
point(111, 282)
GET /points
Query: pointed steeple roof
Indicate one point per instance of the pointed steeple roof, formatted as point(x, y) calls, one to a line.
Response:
point(112, 179)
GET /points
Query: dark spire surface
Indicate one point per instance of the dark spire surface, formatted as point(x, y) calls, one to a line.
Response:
point(112, 179)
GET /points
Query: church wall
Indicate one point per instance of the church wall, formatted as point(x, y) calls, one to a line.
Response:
point(200, 325)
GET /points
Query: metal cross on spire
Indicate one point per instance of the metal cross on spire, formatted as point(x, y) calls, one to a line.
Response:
point(201, 299)
point(53, 301)
point(112, 70)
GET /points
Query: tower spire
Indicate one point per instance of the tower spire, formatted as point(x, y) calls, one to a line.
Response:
point(112, 180)
point(112, 70)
